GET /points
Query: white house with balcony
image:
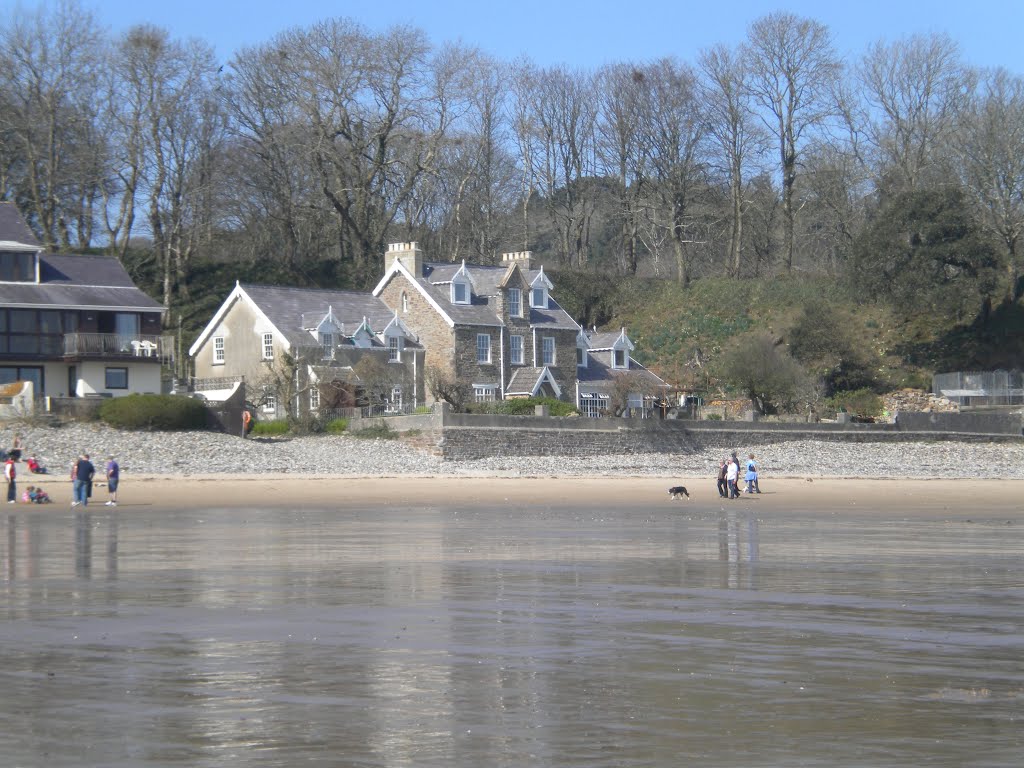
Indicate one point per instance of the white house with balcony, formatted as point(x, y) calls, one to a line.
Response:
point(74, 325)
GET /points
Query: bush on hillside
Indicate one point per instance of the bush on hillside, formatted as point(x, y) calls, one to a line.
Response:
point(165, 413)
point(859, 402)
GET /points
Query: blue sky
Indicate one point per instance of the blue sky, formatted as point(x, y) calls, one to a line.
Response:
point(587, 34)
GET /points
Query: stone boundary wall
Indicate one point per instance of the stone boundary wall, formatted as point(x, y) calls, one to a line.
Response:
point(460, 436)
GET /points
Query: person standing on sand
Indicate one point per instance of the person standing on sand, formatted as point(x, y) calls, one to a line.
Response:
point(723, 485)
point(751, 476)
point(113, 475)
point(9, 474)
point(82, 474)
point(732, 473)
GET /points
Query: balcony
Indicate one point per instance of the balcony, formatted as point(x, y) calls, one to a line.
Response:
point(115, 345)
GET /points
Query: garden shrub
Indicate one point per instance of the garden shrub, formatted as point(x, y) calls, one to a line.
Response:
point(154, 412)
point(336, 426)
point(270, 428)
point(521, 406)
point(381, 431)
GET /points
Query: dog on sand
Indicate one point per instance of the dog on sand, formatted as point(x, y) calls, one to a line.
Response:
point(678, 492)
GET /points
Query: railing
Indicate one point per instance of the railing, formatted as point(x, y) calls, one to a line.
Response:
point(118, 345)
point(214, 382)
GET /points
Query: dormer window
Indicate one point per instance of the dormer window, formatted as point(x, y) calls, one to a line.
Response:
point(581, 357)
point(394, 349)
point(327, 342)
point(460, 293)
point(619, 358)
point(18, 267)
point(539, 298)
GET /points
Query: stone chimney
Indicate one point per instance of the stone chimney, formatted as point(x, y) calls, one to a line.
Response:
point(522, 258)
point(409, 254)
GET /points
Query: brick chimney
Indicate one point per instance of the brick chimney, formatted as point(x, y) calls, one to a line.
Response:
point(409, 254)
point(522, 258)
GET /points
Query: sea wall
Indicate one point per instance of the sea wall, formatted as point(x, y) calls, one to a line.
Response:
point(462, 437)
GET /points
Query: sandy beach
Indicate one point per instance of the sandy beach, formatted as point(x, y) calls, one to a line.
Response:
point(958, 498)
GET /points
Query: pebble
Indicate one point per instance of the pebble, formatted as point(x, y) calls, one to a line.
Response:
point(202, 453)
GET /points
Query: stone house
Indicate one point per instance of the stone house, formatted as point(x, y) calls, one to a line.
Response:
point(610, 381)
point(310, 346)
point(495, 328)
point(74, 326)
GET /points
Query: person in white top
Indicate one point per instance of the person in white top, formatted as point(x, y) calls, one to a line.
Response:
point(731, 473)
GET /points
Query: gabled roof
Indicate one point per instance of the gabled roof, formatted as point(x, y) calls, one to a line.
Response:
point(609, 340)
point(527, 382)
point(283, 309)
point(14, 229)
point(598, 372)
point(487, 281)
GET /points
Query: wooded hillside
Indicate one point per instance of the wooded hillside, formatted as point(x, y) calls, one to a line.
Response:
point(770, 188)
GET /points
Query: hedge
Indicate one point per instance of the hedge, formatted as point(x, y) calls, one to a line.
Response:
point(161, 413)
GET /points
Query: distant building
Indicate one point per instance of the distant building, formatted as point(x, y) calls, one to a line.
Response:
point(74, 326)
point(497, 329)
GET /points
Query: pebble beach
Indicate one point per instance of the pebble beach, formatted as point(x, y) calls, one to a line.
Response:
point(208, 453)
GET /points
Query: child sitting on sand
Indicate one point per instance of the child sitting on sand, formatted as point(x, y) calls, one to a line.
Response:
point(34, 495)
point(34, 466)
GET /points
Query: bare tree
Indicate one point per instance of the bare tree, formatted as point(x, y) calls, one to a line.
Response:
point(621, 151)
point(49, 74)
point(378, 108)
point(555, 117)
point(731, 126)
point(990, 154)
point(792, 68)
point(674, 129)
point(912, 89)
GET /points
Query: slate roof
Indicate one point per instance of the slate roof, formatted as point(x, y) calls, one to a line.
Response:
point(523, 381)
point(437, 278)
point(603, 339)
point(600, 374)
point(13, 227)
point(285, 308)
point(73, 282)
point(68, 281)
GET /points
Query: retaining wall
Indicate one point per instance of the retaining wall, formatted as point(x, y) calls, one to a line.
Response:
point(460, 436)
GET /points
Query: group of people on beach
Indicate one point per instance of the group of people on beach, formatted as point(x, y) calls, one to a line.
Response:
point(83, 474)
point(729, 477)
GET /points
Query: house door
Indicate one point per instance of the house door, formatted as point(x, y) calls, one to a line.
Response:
point(72, 381)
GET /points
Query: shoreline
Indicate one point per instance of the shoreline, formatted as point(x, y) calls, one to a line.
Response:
point(947, 498)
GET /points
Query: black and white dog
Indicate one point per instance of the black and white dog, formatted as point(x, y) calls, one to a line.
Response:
point(678, 491)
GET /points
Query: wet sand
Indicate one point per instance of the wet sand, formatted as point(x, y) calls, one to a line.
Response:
point(901, 497)
point(507, 622)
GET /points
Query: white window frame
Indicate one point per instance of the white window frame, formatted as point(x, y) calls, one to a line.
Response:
point(515, 302)
point(314, 399)
point(464, 299)
point(405, 302)
point(218, 350)
point(581, 357)
point(395, 403)
point(539, 298)
point(516, 353)
point(616, 363)
point(327, 343)
point(394, 349)
point(547, 350)
point(483, 347)
point(484, 393)
point(270, 404)
point(268, 346)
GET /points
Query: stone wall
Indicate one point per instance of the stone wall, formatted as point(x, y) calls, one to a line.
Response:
point(460, 436)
